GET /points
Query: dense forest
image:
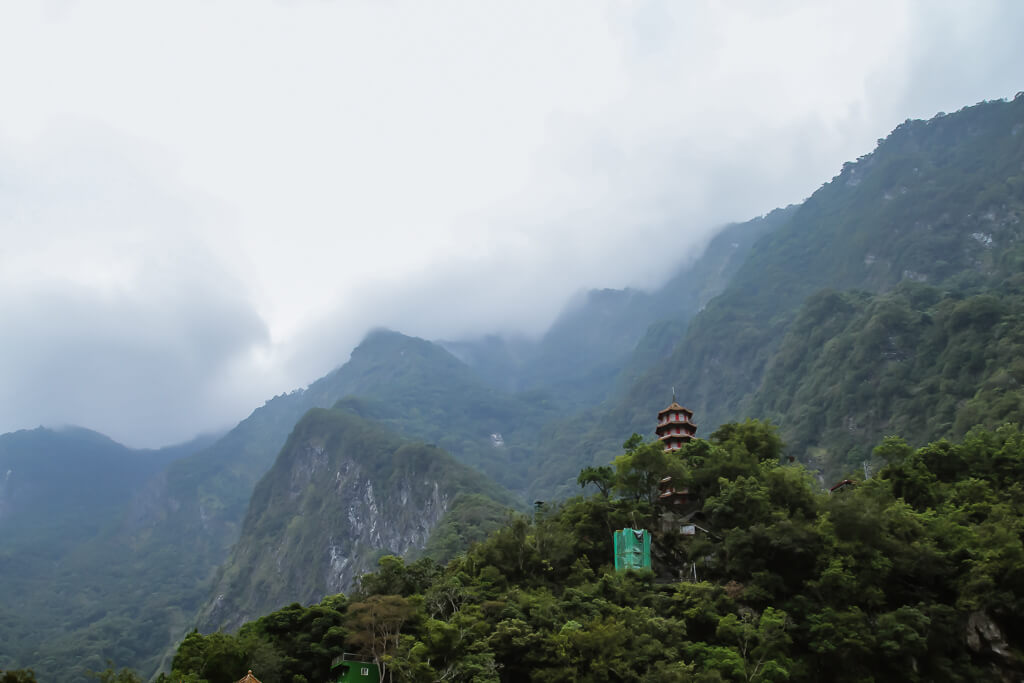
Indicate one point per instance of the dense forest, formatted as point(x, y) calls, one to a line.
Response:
point(915, 574)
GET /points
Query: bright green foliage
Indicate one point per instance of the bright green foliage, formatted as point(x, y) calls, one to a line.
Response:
point(887, 580)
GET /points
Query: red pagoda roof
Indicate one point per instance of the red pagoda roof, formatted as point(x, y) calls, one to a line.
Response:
point(675, 407)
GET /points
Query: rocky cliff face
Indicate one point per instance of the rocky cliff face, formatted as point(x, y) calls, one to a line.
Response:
point(378, 523)
point(341, 494)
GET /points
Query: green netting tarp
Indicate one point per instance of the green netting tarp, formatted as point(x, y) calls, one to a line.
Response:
point(632, 549)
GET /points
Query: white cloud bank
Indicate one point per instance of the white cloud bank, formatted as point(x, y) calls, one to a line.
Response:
point(205, 203)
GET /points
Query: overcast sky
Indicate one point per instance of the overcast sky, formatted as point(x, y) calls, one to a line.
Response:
point(205, 203)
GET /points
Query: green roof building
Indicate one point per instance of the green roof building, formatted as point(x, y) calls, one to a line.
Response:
point(347, 669)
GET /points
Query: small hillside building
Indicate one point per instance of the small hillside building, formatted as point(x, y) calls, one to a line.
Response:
point(349, 668)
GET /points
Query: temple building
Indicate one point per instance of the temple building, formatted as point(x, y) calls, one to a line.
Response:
point(675, 426)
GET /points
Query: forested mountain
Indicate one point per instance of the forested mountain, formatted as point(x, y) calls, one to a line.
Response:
point(188, 517)
point(71, 481)
point(939, 202)
point(412, 385)
point(177, 521)
point(421, 391)
point(890, 301)
point(919, 361)
point(342, 493)
point(64, 496)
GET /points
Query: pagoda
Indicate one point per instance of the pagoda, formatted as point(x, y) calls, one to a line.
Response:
point(675, 426)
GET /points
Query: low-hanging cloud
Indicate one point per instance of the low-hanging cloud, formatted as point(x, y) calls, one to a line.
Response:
point(117, 312)
point(210, 203)
point(136, 366)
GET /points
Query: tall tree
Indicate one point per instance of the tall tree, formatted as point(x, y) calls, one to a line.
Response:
point(376, 626)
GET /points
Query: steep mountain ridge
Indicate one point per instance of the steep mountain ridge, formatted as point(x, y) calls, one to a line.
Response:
point(191, 514)
point(342, 493)
point(594, 342)
point(208, 491)
point(151, 569)
point(64, 496)
point(421, 391)
point(938, 201)
point(78, 477)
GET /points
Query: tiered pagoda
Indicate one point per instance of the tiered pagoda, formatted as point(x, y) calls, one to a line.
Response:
point(675, 426)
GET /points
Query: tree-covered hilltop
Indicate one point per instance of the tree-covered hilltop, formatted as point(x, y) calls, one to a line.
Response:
point(916, 574)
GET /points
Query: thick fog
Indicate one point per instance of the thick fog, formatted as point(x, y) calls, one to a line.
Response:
point(206, 204)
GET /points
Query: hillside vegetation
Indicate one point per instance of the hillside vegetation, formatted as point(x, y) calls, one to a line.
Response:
point(914, 575)
point(918, 361)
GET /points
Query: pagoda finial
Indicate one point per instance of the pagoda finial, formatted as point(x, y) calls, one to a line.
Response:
point(673, 394)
